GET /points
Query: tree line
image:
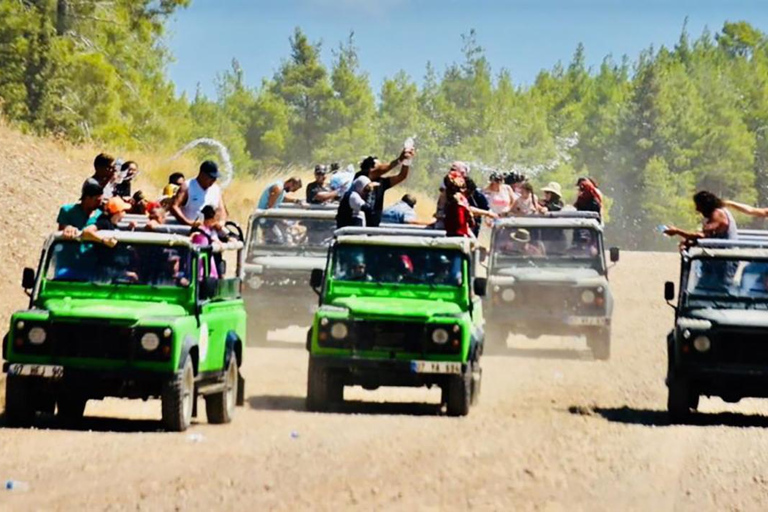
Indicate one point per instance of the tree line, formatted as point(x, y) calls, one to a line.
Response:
point(651, 130)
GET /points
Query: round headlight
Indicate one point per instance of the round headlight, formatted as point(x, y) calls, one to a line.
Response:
point(508, 295)
point(702, 344)
point(588, 297)
point(339, 331)
point(440, 336)
point(37, 335)
point(150, 341)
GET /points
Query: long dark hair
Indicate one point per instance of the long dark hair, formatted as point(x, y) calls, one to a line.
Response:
point(707, 202)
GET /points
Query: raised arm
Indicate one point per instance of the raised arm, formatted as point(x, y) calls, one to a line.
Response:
point(749, 210)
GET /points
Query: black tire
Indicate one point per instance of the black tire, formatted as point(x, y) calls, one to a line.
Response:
point(323, 390)
point(70, 408)
point(477, 380)
point(459, 394)
point(19, 410)
point(178, 398)
point(681, 398)
point(220, 407)
point(599, 343)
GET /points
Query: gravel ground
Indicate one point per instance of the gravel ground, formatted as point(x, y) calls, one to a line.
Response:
point(554, 431)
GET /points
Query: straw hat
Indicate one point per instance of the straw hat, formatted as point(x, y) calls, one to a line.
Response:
point(553, 188)
point(521, 235)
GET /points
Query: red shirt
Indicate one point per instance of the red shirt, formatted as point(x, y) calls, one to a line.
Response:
point(457, 219)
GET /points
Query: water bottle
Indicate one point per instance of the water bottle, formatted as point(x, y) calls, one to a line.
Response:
point(408, 145)
point(14, 485)
point(661, 228)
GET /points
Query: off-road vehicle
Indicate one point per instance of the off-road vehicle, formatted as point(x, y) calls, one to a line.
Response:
point(719, 344)
point(140, 320)
point(283, 246)
point(397, 308)
point(547, 275)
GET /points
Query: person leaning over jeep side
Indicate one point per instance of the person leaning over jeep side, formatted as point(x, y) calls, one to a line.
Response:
point(74, 217)
point(375, 170)
point(198, 192)
point(114, 211)
point(402, 212)
point(717, 221)
point(275, 194)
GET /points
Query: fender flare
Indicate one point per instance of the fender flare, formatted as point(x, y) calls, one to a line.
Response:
point(233, 344)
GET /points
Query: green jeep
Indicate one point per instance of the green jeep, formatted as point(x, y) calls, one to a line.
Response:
point(397, 308)
point(141, 320)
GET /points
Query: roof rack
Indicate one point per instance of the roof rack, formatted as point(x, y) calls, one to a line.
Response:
point(719, 243)
point(387, 231)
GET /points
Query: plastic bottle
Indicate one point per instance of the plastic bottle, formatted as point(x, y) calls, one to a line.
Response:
point(661, 228)
point(14, 485)
point(409, 144)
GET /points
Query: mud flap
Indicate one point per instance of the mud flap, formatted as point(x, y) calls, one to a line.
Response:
point(240, 390)
point(194, 404)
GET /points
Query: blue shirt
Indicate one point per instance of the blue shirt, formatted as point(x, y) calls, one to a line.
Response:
point(73, 215)
point(264, 199)
point(399, 213)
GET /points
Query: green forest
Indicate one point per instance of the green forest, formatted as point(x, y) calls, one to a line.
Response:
point(650, 129)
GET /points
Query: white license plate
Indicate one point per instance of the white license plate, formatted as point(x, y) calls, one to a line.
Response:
point(435, 367)
point(587, 320)
point(37, 370)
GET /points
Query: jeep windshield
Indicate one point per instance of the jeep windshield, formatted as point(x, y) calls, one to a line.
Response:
point(126, 263)
point(547, 247)
point(276, 236)
point(397, 265)
point(722, 283)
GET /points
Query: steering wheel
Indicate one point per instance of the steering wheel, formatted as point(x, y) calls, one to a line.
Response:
point(233, 229)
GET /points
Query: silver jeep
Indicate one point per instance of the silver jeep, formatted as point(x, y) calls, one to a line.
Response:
point(547, 275)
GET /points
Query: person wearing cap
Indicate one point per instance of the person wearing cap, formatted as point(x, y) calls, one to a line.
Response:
point(74, 217)
point(198, 192)
point(375, 170)
point(500, 196)
point(552, 200)
point(317, 192)
point(114, 211)
point(104, 173)
point(275, 193)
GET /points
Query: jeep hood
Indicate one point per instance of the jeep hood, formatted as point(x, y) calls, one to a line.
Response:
point(266, 263)
point(110, 310)
point(551, 275)
point(731, 317)
point(398, 308)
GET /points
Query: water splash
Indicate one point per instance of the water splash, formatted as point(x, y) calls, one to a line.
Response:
point(226, 160)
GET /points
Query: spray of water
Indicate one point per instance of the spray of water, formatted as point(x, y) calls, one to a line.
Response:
point(226, 160)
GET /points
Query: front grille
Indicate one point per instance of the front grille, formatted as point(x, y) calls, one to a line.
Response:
point(742, 347)
point(405, 336)
point(92, 340)
point(549, 300)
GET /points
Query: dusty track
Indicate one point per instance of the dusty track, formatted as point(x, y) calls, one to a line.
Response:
point(554, 431)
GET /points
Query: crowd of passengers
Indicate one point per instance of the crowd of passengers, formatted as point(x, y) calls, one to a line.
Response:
point(460, 205)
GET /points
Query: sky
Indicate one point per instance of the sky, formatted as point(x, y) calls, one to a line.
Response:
point(521, 36)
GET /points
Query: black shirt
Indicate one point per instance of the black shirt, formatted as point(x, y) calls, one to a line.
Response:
point(312, 190)
point(376, 201)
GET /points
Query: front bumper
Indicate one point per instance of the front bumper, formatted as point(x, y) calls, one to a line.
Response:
point(354, 371)
point(92, 383)
point(535, 322)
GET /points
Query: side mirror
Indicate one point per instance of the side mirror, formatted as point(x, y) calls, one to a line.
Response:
point(208, 288)
point(480, 286)
point(669, 291)
point(316, 279)
point(615, 254)
point(28, 279)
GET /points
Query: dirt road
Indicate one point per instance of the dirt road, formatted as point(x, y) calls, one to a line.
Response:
point(554, 431)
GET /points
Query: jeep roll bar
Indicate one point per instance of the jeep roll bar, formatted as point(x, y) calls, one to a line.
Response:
point(353, 230)
point(295, 206)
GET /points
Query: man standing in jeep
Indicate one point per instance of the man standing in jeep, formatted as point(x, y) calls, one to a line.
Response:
point(375, 170)
point(197, 193)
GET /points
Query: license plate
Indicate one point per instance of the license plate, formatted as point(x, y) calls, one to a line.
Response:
point(435, 367)
point(37, 370)
point(587, 320)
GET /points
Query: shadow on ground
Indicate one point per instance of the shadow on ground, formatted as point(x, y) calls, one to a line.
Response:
point(297, 404)
point(94, 424)
point(659, 418)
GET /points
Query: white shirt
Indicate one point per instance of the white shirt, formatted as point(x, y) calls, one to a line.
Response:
point(197, 198)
